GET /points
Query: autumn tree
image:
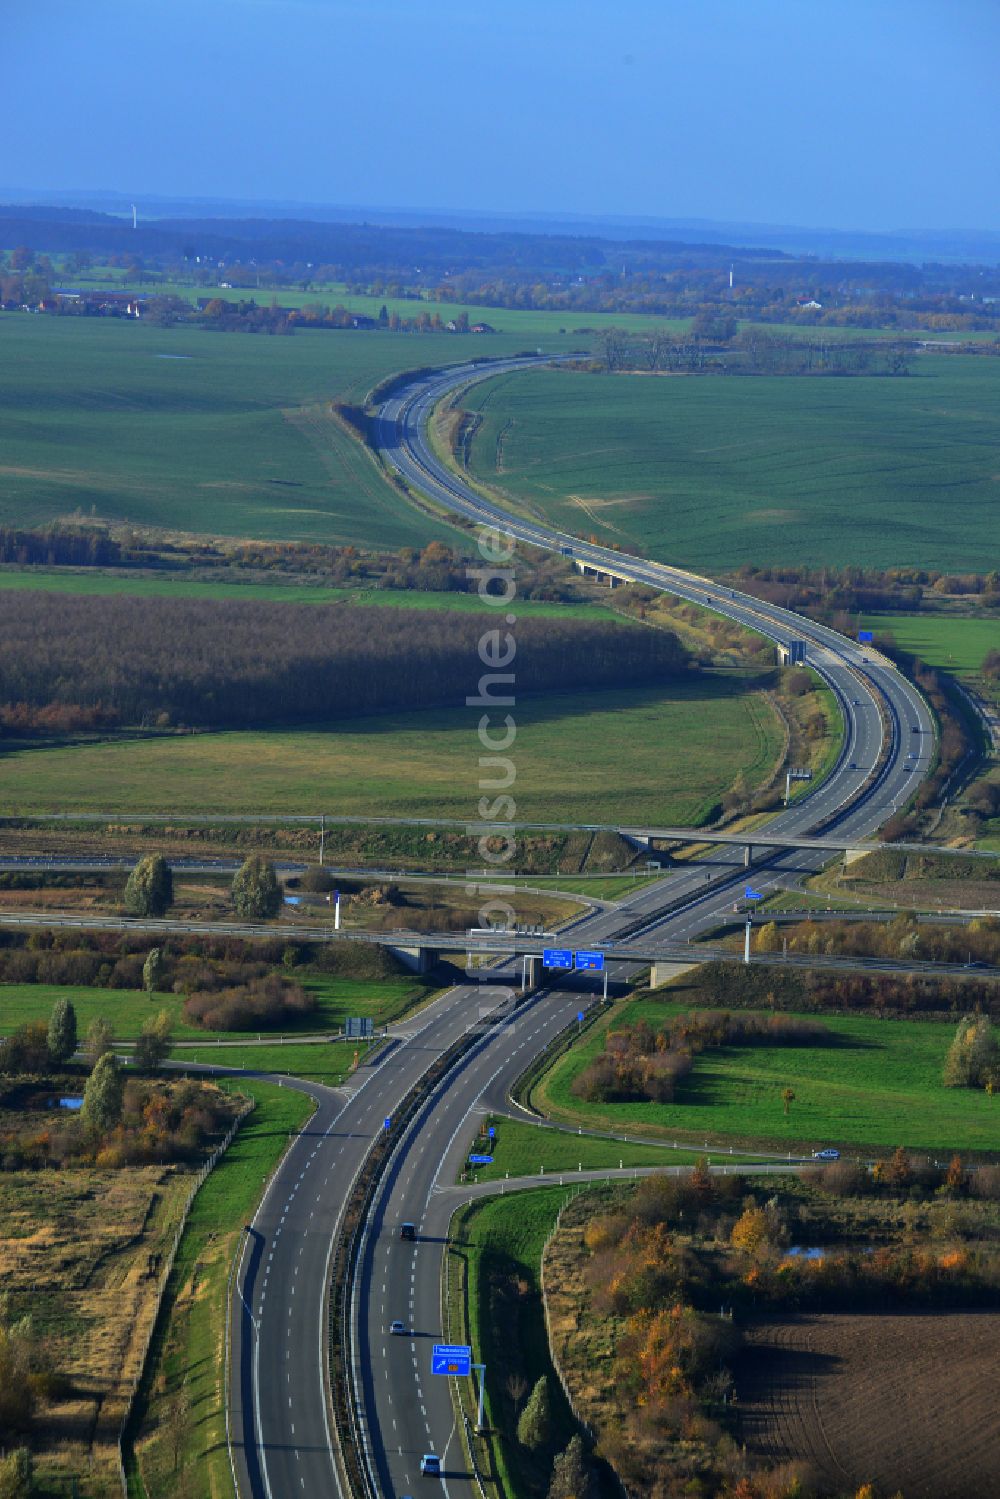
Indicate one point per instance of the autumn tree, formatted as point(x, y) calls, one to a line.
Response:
point(956, 1179)
point(16, 1474)
point(534, 1428)
point(153, 1045)
point(787, 1098)
point(972, 1056)
point(256, 891)
point(99, 1039)
point(149, 889)
point(104, 1096)
point(750, 1231)
point(62, 1031)
point(153, 970)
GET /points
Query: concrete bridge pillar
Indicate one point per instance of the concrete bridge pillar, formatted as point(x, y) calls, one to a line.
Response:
point(747, 855)
point(531, 972)
point(417, 959)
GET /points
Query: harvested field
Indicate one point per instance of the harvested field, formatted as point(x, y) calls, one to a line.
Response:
point(907, 1402)
point(84, 1251)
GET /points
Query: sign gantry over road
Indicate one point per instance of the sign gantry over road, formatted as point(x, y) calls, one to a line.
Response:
point(451, 1358)
point(557, 957)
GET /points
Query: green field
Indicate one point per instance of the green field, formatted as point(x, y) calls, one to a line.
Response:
point(523, 1149)
point(143, 585)
point(878, 1087)
point(954, 643)
point(180, 428)
point(518, 321)
point(183, 1390)
point(127, 1010)
point(714, 472)
point(687, 744)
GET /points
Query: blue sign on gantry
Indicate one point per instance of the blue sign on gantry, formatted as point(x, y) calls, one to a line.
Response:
point(592, 960)
point(557, 957)
point(451, 1358)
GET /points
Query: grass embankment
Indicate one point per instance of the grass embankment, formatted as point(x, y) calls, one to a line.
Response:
point(127, 1010)
point(181, 1449)
point(687, 744)
point(707, 472)
point(522, 1149)
point(495, 1252)
point(322, 1062)
point(878, 1086)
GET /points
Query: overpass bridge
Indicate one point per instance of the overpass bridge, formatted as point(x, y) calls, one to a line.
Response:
point(750, 840)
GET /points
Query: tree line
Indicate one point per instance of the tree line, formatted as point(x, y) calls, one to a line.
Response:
point(818, 991)
point(209, 664)
point(713, 346)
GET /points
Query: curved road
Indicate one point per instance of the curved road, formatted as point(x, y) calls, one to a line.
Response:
point(280, 1422)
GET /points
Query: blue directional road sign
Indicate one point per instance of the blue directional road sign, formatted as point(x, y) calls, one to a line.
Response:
point(492, 1132)
point(451, 1358)
point(557, 957)
point(865, 637)
point(480, 1160)
point(750, 894)
point(592, 960)
point(387, 1122)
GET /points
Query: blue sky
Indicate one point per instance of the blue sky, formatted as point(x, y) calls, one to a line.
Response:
point(867, 114)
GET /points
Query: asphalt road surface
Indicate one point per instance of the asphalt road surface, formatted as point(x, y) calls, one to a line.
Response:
point(280, 1415)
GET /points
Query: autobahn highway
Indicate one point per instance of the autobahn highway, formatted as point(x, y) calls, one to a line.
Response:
point(280, 1422)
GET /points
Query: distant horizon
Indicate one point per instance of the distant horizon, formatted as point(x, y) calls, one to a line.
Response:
point(70, 197)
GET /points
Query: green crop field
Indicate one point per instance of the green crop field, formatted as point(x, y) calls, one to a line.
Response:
point(127, 1010)
point(955, 644)
point(714, 472)
point(225, 434)
point(97, 583)
point(687, 744)
point(879, 1086)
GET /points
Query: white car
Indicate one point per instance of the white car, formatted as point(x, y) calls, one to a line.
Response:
point(829, 1154)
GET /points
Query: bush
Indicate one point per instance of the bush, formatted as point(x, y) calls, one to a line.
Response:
point(259, 1005)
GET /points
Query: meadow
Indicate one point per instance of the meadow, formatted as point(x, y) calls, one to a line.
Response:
point(688, 742)
point(955, 644)
point(127, 1010)
point(714, 472)
point(878, 1086)
point(221, 434)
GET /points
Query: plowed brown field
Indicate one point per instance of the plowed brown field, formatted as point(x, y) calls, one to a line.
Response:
point(902, 1401)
